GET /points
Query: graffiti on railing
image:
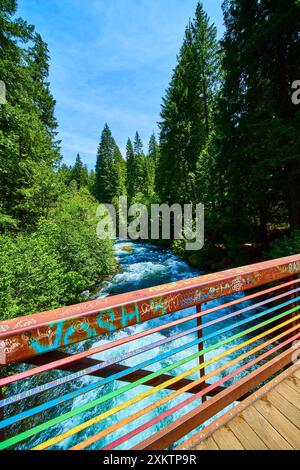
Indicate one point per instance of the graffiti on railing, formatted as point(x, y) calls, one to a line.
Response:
point(47, 331)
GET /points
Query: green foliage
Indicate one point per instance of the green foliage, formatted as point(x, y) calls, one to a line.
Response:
point(141, 168)
point(258, 142)
point(110, 177)
point(28, 149)
point(79, 173)
point(288, 245)
point(187, 111)
point(50, 267)
point(153, 151)
point(49, 251)
point(131, 169)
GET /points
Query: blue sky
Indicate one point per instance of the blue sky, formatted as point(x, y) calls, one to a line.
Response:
point(111, 61)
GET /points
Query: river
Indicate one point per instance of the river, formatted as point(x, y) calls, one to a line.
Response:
point(143, 266)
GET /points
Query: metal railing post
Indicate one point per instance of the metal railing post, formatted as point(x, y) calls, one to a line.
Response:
point(2, 432)
point(200, 347)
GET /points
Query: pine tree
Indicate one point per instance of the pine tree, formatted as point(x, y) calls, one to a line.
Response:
point(259, 144)
point(79, 173)
point(139, 166)
point(131, 177)
point(118, 174)
point(138, 147)
point(110, 175)
point(28, 149)
point(187, 111)
point(135, 167)
point(38, 59)
point(153, 151)
point(104, 187)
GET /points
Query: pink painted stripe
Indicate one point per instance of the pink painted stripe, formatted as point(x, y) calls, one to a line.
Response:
point(143, 349)
point(186, 402)
point(105, 347)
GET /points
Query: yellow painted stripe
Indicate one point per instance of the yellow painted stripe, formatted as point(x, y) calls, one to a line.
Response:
point(115, 427)
point(101, 417)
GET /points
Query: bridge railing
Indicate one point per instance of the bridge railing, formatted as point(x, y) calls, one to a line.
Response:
point(79, 377)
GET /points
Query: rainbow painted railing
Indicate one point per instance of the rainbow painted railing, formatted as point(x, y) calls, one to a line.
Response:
point(66, 383)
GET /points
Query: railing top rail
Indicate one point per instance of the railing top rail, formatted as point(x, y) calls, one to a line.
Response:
point(31, 335)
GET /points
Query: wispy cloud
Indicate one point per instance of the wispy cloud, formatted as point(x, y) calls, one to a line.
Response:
point(111, 61)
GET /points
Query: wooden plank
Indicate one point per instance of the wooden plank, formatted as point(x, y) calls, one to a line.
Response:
point(289, 410)
point(209, 430)
point(246, 435)
point(290, 433)
point(294, 383)
point(269, 435)
point(297, 373)
point(187, 423)
point(208, 444)
point(226, 440)
point(289, 394)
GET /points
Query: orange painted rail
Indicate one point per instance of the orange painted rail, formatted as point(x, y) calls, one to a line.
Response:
point(158, 384)
point(32, 335)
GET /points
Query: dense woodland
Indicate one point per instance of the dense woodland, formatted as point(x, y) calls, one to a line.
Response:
point(228, 137)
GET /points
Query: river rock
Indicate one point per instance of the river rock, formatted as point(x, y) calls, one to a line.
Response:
point(127, 248)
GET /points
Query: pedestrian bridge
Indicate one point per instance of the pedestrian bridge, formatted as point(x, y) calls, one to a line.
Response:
point(198, 373)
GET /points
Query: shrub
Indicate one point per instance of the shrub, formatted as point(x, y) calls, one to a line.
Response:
point(50, 267)
point(288, 245)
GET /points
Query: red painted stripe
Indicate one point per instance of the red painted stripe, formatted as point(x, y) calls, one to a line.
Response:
point(105, 347)
point(151, 346)
point(186, 402)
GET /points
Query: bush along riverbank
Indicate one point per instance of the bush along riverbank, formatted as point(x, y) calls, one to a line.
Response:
point(217, 257)
point(51, 266)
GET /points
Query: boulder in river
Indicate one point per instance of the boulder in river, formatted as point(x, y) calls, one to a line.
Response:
point(127, 248)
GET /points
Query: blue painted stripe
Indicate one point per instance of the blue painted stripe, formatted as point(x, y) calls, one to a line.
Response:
point(104, 365)
point(119, 375)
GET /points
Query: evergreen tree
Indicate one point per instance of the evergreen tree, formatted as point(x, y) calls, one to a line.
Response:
point(38, 59)
point(131, 177)
point(187, 111)
point(110, 175)
point(48, 250)
point(135, 166)
point(118, 174)
point(148, 176)
point(79, 173)
point(28, 150)
point(139, 166)
point(259, 145)
point(104, 189)
point(153, 151)
point(138, 146)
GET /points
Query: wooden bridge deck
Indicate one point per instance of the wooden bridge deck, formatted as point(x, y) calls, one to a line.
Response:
point(267, 420)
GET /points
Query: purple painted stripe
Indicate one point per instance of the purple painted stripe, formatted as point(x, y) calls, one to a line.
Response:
point(104, 365)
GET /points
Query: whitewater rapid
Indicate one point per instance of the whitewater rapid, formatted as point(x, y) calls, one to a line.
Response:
point(143, 266)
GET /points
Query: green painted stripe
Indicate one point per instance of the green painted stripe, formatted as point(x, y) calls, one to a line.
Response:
point(55, 421)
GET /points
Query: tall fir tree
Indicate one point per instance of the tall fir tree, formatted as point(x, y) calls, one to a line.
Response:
point(153, 150)
point(110, 175)
point(139, 166)
point(259, 146)
point(130, 159)
point(79, 173)
point(38, 59)
point(119, 174)
point(28, 148)
point(187, 111)
point(104, 189)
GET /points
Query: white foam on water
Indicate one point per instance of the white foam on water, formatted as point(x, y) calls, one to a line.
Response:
point(144, 265)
